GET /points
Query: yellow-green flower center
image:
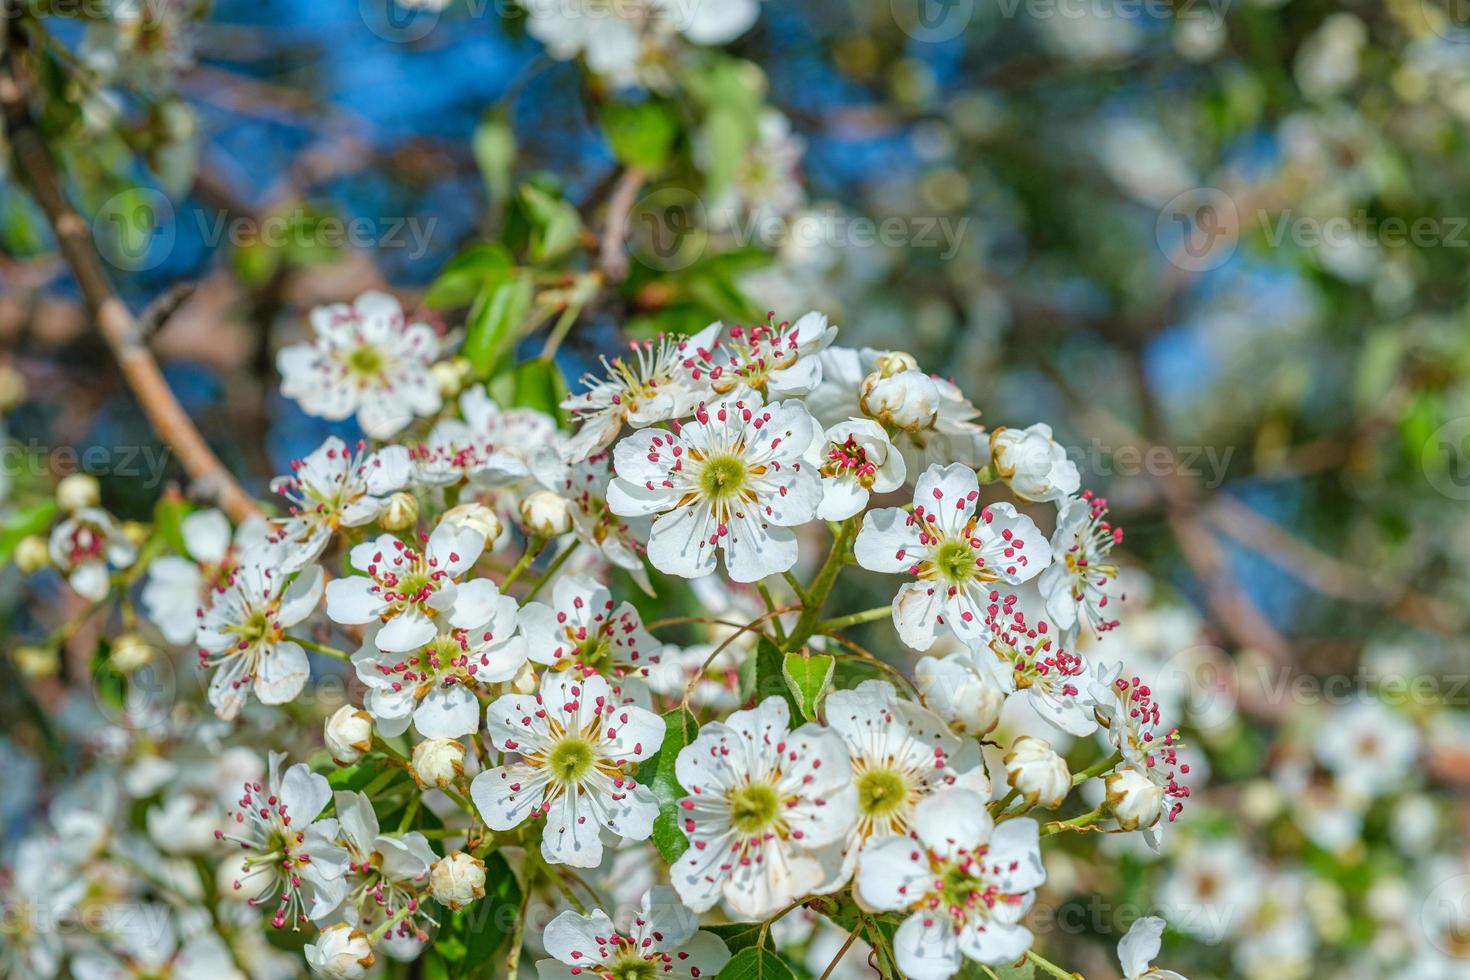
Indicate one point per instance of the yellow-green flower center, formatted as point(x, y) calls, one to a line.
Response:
point(570, 760)
point(365, 360)
point(955, 559)
point(882, 793)
point(754, 807)
point(722, 477)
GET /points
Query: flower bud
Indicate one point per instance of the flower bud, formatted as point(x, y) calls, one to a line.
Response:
point(894, 362)
point(12, 388)
point(954, 689)
point(401, 513)
point(32, 554)
point(546, 514)
point(136, 532)
point(78, 492)
point(907, 400)
point(129, 652)
point(438, 762)
point(448, 377)
point(526, 680)
point(340, 953)
point(476, 517)
point(348, 734)
point(457, 880)
point(35, 663)
point(1135, 800)
point(1034, 466)
point(1037, 772)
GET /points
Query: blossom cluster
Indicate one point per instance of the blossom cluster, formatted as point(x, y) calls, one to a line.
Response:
point(466, 566)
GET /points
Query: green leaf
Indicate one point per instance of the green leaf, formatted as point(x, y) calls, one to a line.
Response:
point(555, 224)
point(494, 323)
point(729, 133)
point(35, 519)
point(770, 677)
point(808, 678)
point(356, 777)
point(657, 773)
point(467, 273)
point(642, 134)
point(169, 516)
point(737, 935)
point(756, 963)
point(494, 147)
point(539, 385)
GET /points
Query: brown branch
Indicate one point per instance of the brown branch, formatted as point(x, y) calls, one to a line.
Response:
point(212, 481)
point(613, 258)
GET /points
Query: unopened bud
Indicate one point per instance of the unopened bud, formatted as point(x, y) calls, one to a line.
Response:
point(438, 762)
point(348, 734)
point(32, 554)
point(129, 652)
point(457, 880)
point(546, 515)
point(1135, 800)
point(1038, 773)
point(35, 663)
point(476, 517)
point(401, 513)
point(78, 492)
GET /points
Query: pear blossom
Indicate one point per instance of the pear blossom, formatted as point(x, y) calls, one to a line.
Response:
point(583, 631)
point(348, 735)
point(1126, 707)
point(334, 488)
point(1032, 464)
point(733, 480)
point(928, 418)
point(153, 949)
point(765, 805)
point(651, 384)
point(967, 882)
point(457, 879)
point(955, 689)
point(1370, 747)
point(900, 754)
point(572, 743)
point(487, 444)
point(584, 486)
point(179, 585)
point(438, 762)
point(1136, 950)
point(341, 953)
point(242, 633)
point(545, 514)
point(630, 43)
point(435, 685)
point(78, 491)
point(1134, 800)
point(662, 940)
point(385, 872)
point(766, 362)
point(956, 551)
point(366, 360)
point(1075, 583)
point(414, 593)
point(1026, 657)
point(1039, 774)
point(291, 858)
point(856, 460)
point(86, 547)
point(766, 184)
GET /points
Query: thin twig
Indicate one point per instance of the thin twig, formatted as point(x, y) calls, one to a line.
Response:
point(212, 481)
point(613, 258)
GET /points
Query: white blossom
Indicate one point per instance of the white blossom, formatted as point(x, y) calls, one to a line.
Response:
point(968, 882)
point(765, 803)
point(1032, 463)
point(855, 460)
point(767, 361)
point(1137, 950)
point(662, 940)
point(733, 480)
point(957, 552)
point(365, 360)
point(86, 547)
point(1075, 583)
point(571, 746)
point(335, 488)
